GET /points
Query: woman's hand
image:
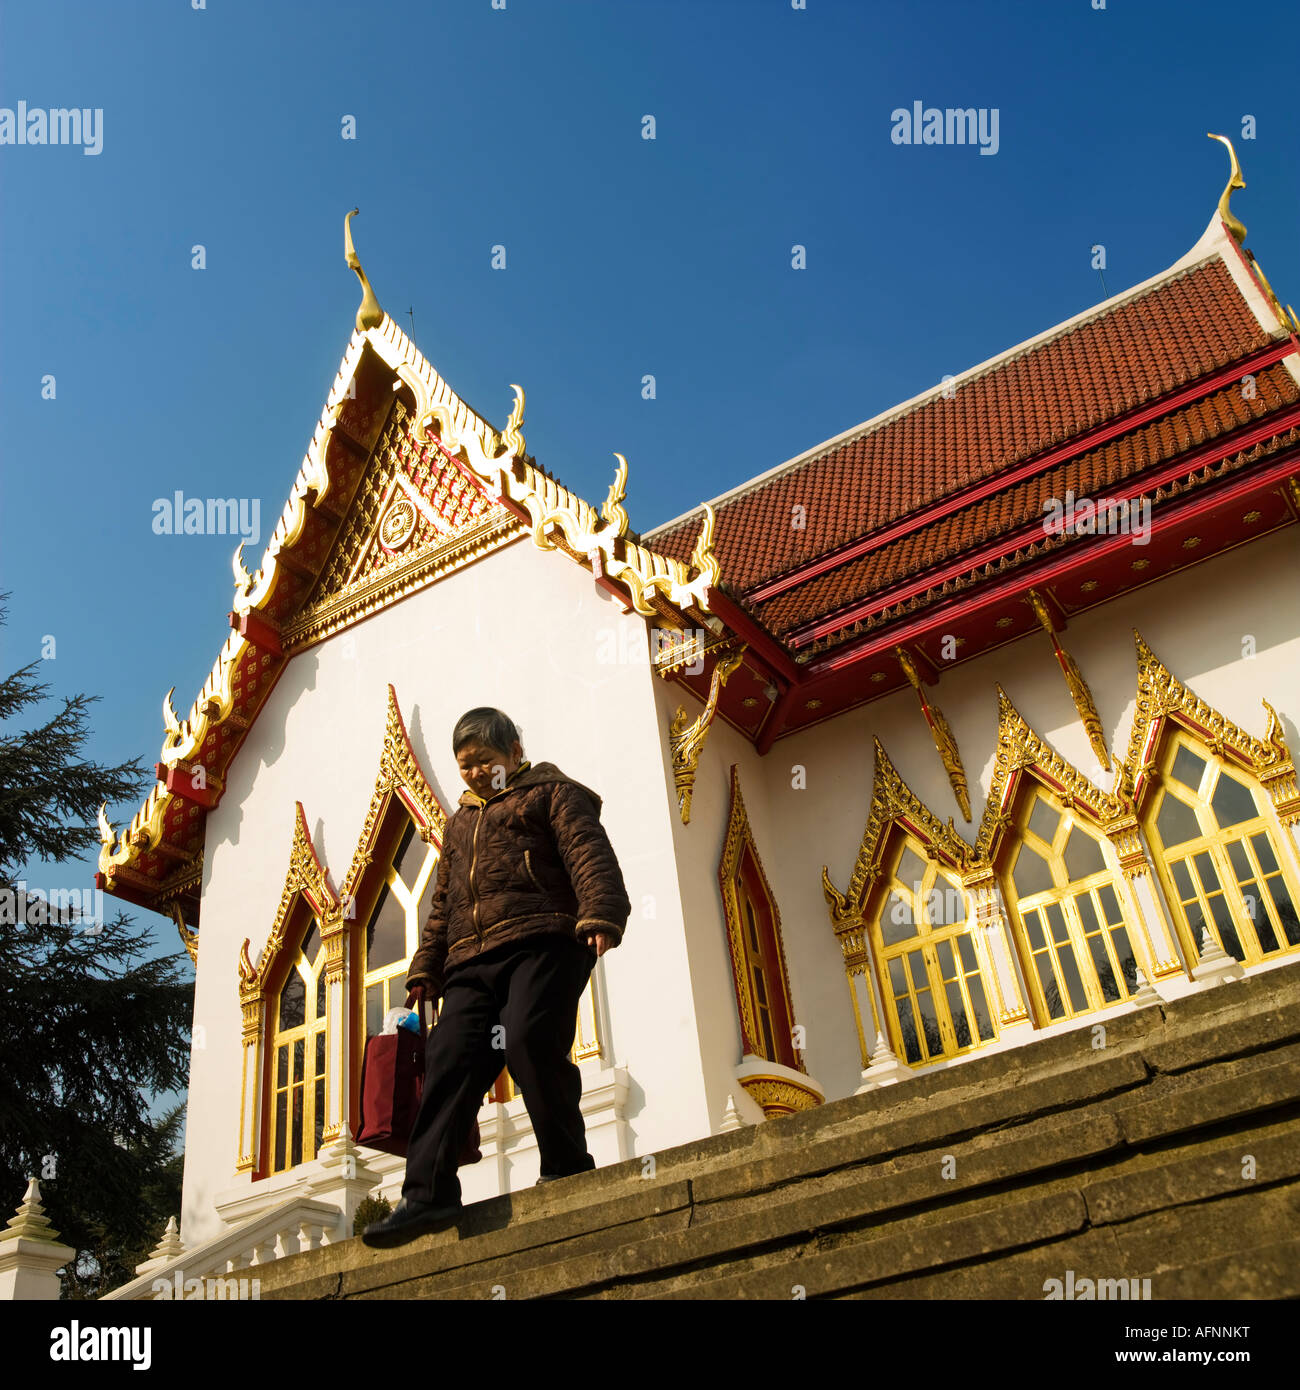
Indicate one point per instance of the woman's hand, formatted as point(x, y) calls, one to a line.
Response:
point(599, 941)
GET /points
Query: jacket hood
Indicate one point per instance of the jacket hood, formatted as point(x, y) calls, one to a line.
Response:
point(531, 775)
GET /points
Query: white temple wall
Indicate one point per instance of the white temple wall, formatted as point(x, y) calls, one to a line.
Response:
point(1197, 623)
point(530, 633)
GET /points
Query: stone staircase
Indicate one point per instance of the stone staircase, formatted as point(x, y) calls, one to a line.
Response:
point(1166, 1150)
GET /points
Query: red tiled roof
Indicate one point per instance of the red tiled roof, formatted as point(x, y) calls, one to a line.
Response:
point(1089, 475)
point(1183, 328)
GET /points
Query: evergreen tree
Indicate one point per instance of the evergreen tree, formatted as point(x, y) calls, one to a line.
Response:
point(89, 1031)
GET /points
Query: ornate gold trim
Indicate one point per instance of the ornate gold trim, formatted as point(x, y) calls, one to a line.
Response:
point(369, 314)
point(686, 739)
point(1079, 692)
point(189, 939)
point(778, 1095)
point(1162, 697)
point(739, 838)
point(941, 733)
point(1020, 750)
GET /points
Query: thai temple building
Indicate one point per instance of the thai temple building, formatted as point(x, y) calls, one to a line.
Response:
point(970, 726)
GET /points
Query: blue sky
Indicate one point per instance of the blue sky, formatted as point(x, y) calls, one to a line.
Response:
point(222, 127)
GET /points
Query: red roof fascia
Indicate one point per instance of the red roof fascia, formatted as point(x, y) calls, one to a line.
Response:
point(1011, 541)
point(752, 632)
point(977, 492)
point(1052, 572)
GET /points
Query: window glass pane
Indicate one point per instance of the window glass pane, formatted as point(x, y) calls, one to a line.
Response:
point(310, 943)
point(896, 920)
point(410, 856)
point(967, 950)
point(1233, 802)
point(983, 1019)
point(295, 1128)
point(753, 928)
point(298, 1055)
point(1286, 911)
point(945, 905)
point(1241, 865)
point(1083, 901)
point(386, 934)
point(397, 992)
point(907, 1028)
point(293, 1001)
point(930, 1023)
point(1188, 768)
point(1264, 852)
point(911, 869)
point(1227, 931)
point(320, 996)
point(1047, 978)
point(766, 1022)
point(374, 1010)
point(1056, 921)
point(1101, 964)
point(281, 1122)
point(1034, 930)
point(1127, 961)
point(916, 964)
point(282, 1066)
point(947, 969)
point(1206, 872)
point(1044, 819)
point(957, 1011)
point(1182, 880)
point(1031, 873)
point(1083, 855)
point(897, 979)
point(1177, 821)
point(1070, 969)
point(320, 1053)
point(319, 1127)
point(1262, 920)
point(1109, 903)
point(760, 989)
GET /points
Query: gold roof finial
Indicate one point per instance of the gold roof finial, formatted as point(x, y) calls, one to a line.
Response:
point(1235, 227)
point(369, 315)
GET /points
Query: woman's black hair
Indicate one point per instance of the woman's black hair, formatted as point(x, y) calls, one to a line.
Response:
point(491, 727)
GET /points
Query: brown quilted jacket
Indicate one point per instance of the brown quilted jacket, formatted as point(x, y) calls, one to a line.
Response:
point(532, 861)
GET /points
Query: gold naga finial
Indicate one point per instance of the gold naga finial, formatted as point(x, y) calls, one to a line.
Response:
point(512, 437)
point(945, 741)
point(1234, 226)
point(613, 511)
point(702, 557)
point(369, 315)
point(106, 828)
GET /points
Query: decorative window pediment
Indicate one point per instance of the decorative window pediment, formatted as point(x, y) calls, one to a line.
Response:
point(1202, 787)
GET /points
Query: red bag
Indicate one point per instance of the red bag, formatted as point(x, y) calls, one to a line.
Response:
point(392, 1081)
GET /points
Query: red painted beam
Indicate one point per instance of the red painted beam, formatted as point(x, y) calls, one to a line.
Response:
point(1006, 544)
point(1051, 571)
point(978, 492)
point(257, 629)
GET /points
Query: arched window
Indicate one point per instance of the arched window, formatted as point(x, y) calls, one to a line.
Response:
point(298, 1053)
point(1218, 855)
point(758, 971)
point(1067, 911)
point(935, 999)
point(394, 924)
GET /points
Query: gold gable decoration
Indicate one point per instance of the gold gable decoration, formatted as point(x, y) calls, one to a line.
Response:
point(400, 778)
point(891, 800)
point(1161, 697)
point(307, 881)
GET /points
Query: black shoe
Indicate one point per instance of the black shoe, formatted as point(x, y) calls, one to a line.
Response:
point(408, 1220)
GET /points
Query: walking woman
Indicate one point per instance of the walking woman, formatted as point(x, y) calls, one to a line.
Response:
point(528, 895)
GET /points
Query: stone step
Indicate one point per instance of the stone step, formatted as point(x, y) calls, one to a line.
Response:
point(978, 1176)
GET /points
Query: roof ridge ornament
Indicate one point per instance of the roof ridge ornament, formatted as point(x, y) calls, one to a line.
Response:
point(369, 314)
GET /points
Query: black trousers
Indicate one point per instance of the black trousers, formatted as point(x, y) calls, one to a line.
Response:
point(532, 992)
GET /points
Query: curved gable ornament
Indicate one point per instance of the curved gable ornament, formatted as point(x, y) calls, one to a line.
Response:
point(1020, 750)
point(892, 800)
point(400, 777)
point(1162, 697)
